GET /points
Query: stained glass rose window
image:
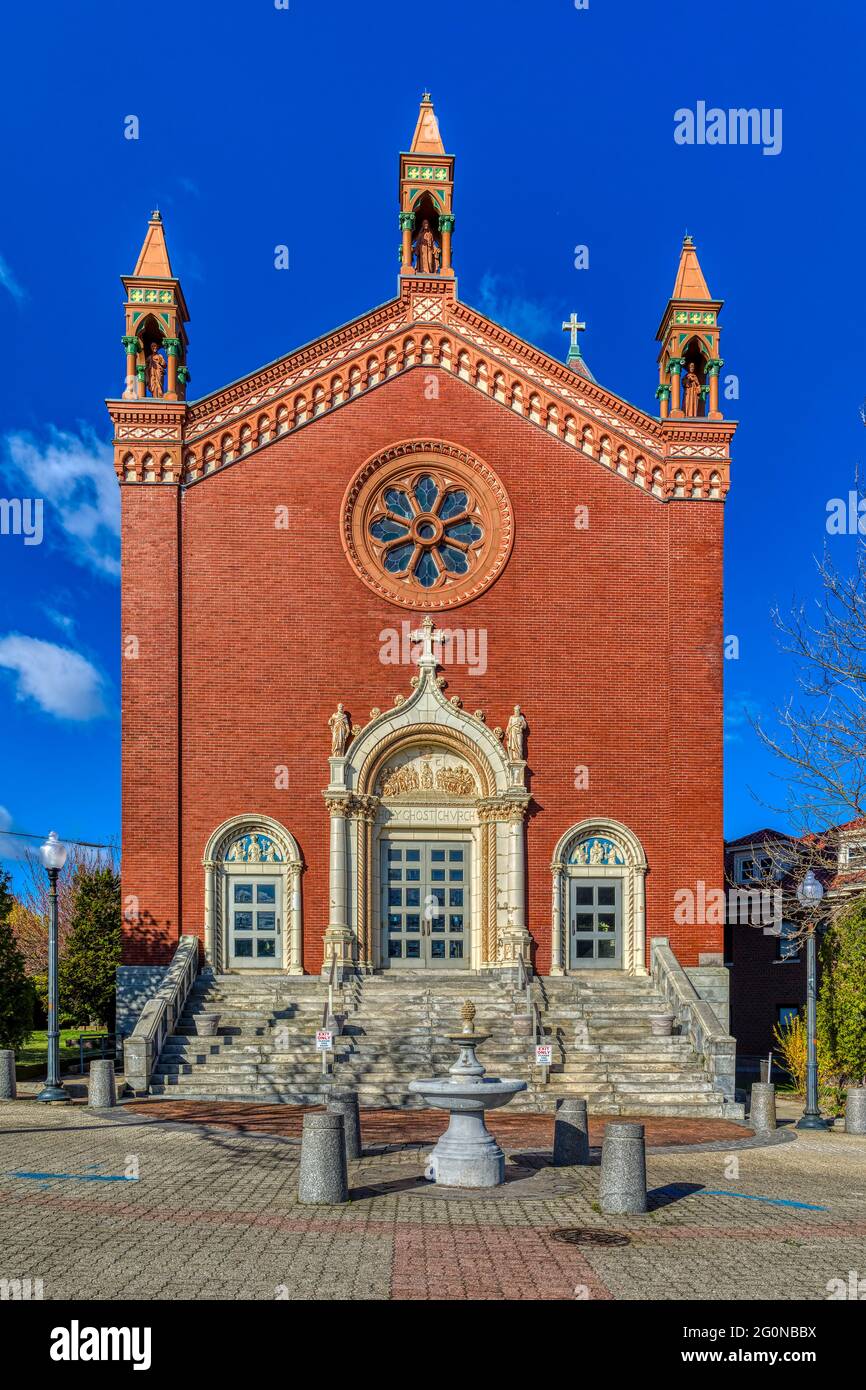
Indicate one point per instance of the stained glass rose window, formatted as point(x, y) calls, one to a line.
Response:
point(427, 532)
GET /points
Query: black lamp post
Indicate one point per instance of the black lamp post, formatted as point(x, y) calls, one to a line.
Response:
point(53, 855)
point(810, 893)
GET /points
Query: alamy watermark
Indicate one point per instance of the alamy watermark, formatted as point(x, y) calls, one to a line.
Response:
point(737, 126)
point(455, 646)
point(22, 516)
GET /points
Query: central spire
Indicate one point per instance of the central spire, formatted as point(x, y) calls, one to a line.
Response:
point(426, 192)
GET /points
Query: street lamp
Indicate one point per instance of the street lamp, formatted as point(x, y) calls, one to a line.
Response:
point(810, 892)
point(53, 856)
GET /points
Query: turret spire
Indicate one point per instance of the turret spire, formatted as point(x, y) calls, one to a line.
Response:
point(689, 361)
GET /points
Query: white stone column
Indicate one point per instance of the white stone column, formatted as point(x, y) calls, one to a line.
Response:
point(338, 938)
point(515, 938)
point(557, 966)
point(296, 940)
point(213, 947)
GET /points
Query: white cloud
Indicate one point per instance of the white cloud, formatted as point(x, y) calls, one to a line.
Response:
point(527, 318)
point(61, 620)
point(75, 475)
point(60, 681)
point(8, 281)
point(740, 712)
point(7, 845)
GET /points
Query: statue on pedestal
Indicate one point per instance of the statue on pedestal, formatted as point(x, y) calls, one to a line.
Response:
point(339, 726)
point(691, 391)
point(155, 370)
point(514, 735)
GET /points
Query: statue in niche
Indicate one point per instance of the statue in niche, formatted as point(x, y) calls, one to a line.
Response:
point(514, 735)
point(155, 370)
point(339, 726)
point(427, 253)
point(691, 391)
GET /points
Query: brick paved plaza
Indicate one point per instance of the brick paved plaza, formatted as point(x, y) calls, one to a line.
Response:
point(138, 1206)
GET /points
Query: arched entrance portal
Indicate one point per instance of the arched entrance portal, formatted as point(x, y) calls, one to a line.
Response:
point(427, 839)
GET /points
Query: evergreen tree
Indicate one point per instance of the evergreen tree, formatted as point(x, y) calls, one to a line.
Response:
point(87, 969)
point(16, 992)
point(842, 996)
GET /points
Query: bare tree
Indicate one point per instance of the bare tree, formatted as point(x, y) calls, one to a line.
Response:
point(30, 920)
point(820, 735)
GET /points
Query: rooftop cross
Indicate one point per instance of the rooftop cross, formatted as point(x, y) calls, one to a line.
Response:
point(573, 326)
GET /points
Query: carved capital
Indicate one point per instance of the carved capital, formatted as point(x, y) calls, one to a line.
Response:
point(338, 805)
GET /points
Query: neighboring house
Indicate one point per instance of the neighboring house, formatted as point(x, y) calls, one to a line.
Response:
point(766, 962)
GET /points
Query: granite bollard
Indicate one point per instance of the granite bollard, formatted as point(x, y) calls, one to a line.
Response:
point(8, 1089)
point(622, 1190)
point(101, 1090)
point(855, 1110)
point(323, 1179)
point(345, 1102)
point(762, 1111)
point(570, 1132)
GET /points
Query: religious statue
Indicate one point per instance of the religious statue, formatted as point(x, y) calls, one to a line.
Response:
point(339, 726)
point(426, 250)
point(691, 391)
point(514, 735)
point(155, 370)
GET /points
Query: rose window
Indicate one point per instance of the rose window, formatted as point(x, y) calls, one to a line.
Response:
point(426, 525)
point(427, 529)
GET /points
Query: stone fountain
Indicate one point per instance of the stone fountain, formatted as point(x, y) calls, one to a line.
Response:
point(467, 1155)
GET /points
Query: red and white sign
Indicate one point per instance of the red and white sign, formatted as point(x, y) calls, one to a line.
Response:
point(324, 1040)
point(543, 1054)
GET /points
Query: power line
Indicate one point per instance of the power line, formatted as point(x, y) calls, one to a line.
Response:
point(26, 835)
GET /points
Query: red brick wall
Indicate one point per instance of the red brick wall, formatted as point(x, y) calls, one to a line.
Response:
point(760, 984)
point(610, 638)
point(152, 836)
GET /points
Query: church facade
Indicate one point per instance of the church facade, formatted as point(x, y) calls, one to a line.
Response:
point(422, 636)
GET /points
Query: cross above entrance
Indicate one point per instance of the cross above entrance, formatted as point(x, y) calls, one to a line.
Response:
point(426, 637)
point(573, 326)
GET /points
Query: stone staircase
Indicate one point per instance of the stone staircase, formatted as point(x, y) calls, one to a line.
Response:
point(396, 1029)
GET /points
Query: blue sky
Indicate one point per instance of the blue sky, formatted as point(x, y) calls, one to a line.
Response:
point(262, 126)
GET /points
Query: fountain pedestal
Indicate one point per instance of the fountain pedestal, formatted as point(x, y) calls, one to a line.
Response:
point(467, 1155)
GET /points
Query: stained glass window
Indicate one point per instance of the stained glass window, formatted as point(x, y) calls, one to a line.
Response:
point(426, 530)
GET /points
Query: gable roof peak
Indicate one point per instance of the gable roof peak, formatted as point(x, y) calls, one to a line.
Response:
point(426, 139)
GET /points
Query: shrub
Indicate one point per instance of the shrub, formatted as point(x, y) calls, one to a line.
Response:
point(16, 991)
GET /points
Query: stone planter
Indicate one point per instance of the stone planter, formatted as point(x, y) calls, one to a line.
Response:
point(661, 1025)
point(855, 1110)
point(206, 1025)
point(523, 1025)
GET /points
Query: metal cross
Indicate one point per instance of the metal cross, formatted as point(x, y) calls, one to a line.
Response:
point(573, 327)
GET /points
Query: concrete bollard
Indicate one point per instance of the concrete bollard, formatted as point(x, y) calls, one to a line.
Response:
point(101, 1091)
point(762, 1111)
point(8, 1089)
point(855, 1110)
point(343, 1101)
point(323, 1178)
point(570, 1132)
point(622, 1190)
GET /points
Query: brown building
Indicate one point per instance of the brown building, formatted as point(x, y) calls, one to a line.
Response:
point(424, 636)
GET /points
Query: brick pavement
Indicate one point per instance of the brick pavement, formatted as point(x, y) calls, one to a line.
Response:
point(213, 1215)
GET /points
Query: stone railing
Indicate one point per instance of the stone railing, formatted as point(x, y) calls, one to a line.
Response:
point(696, 1018)
point(158, 1019)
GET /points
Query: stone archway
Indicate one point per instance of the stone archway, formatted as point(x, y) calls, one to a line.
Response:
point(426, 765)
point(598, 849)
point(251, 845)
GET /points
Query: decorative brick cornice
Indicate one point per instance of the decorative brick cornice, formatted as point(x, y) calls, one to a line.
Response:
point(428, 327)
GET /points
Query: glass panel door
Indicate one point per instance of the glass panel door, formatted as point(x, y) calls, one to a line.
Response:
point(254, 922)
point(425, 904)
point(595, 922)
